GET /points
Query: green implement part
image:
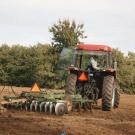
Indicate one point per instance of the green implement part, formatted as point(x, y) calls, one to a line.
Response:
point(52, 103)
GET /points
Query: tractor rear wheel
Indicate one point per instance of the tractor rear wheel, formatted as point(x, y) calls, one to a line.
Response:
point(71, 84)
point(108, 93)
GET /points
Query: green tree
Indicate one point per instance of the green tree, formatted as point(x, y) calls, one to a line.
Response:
point(126, 70)
point(66, 33)
point(118, 56)
point(45, 73)
point(4, 60)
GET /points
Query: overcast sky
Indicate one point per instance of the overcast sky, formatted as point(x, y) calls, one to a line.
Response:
point(106, 21)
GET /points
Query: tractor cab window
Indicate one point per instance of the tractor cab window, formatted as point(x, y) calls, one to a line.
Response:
point(83, 59)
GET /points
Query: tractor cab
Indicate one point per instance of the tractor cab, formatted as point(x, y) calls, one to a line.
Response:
point(90, 60)
point(99, 54)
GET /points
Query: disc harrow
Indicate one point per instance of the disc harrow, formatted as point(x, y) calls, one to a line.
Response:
point(49, 103)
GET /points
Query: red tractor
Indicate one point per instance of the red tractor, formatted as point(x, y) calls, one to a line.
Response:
point(93, 75)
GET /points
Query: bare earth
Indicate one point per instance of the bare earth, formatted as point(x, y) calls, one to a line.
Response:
point(117, 122)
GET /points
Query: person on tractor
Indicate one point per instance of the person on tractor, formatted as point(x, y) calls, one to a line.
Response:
point(93, 64)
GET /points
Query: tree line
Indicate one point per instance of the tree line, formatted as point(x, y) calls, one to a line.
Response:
point(22, 66)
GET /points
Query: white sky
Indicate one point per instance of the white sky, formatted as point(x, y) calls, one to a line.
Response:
point(105, 21)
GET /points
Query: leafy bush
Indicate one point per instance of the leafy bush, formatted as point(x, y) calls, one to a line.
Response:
point(126, 70)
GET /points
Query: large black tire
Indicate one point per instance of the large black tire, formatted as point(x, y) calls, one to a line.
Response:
point(71, 84)
point(107, 93)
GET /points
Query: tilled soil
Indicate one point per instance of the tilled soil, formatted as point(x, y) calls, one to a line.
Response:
point(116, 122)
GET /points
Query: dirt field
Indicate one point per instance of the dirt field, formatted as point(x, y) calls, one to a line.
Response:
point(117, 122)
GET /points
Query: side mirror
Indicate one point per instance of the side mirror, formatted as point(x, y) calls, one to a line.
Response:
point(115, 65)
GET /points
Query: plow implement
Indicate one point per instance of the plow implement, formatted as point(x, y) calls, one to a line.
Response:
point(54, 103)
